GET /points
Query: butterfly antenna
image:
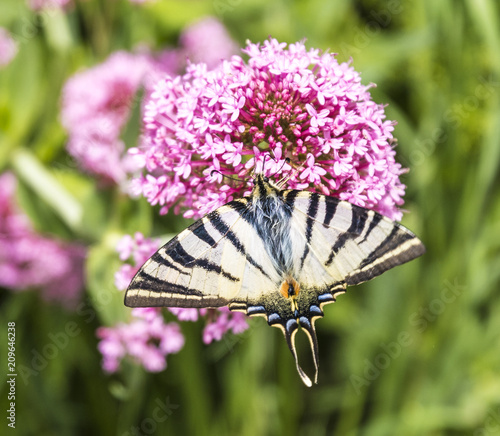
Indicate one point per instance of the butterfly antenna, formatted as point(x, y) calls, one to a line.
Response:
point(264, 163)
point(281, 182)
point(226, 176)
point(287, 160)
point(264, 160)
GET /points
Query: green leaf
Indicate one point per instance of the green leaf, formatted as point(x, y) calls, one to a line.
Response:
point(47, 187)
point(102, 263)
point(57, 29)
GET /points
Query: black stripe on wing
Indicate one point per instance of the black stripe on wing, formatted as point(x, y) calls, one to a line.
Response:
point(159, 259)
point(331, 207)
point(181, 257)
point(392, 241)
point(358, 221)
point(222, 228)
point(148, 282)
point(399, 247)
point(177, 253)
point(373, 224)
point(312, 211)
point(203, 235)
point(160, 294)
point(290, 197)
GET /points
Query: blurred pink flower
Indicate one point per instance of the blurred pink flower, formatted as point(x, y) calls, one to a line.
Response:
point(244, 116)
point(38, 5)
point(8, 47)
point(218, 321)
point(147, 339)
point(96, 104)
point(185, 314)
point(207, 41)
point(31, 261)
point(225, 321)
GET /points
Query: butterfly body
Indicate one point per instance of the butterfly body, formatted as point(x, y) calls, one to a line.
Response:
point(281, 254)
point(269, 215)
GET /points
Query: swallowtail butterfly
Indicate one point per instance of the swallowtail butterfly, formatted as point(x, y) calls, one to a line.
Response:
point(281, 254)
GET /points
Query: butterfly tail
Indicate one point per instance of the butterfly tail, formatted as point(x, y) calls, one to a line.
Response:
point(290, 330)
point(308, 326)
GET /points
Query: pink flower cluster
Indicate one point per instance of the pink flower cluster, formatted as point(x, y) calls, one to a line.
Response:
point(139, 249)
point(250, 116)
point(31, 261)
point(96, 104)
point(8, 47)
point(218, 321)
point(147, 339)
point(226, 320)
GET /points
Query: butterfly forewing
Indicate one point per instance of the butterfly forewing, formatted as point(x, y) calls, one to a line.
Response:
point(206, 265)
point(351, 244)
point(189, 271)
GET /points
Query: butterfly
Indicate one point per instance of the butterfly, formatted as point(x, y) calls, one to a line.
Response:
point(280, 254)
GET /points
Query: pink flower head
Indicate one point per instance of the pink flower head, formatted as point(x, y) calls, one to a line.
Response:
point(139, 249)
point(147, 339)
point(225, 321)
point(29, 260)
point(96, 105)
point(286, 111)
point(8, 47)
point(184, 314)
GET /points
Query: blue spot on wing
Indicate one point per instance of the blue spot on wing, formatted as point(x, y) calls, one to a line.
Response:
point(252, 310)
point(273, 318)
point(325, 297)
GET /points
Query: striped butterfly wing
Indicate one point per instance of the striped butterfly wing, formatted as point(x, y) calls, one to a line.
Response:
point(206, 265)
point(336, 244)
point(336, 240)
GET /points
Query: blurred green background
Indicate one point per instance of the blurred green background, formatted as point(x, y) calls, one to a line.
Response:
point(414, 352)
